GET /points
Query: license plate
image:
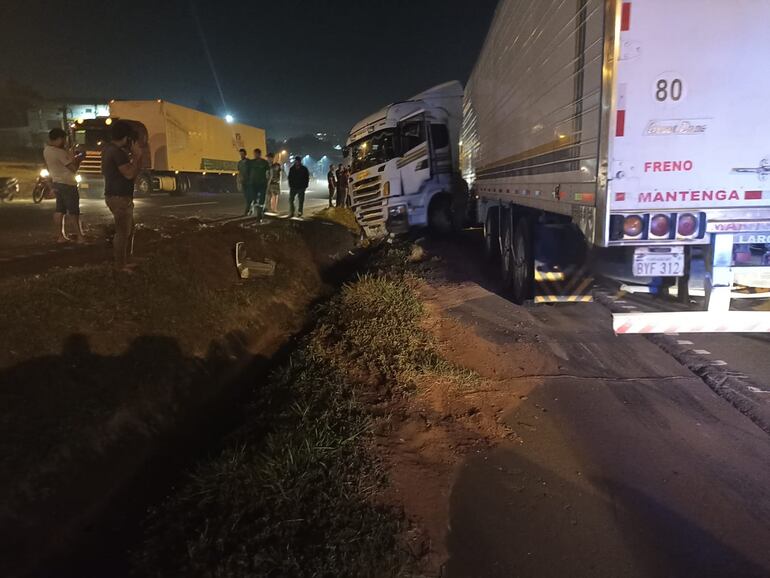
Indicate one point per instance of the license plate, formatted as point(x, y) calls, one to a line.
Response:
point(663, 262)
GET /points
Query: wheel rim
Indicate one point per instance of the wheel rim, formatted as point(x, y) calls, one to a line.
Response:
point(144, 186)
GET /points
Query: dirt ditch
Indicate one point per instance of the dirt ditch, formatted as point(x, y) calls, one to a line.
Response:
point(111, 386)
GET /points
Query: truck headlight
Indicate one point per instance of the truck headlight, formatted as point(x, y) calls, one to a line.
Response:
point(44, 173)
point(78, 178)
point(397, 211)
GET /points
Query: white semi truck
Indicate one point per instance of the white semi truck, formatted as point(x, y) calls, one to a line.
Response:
point(635, 133)
point(404, 164)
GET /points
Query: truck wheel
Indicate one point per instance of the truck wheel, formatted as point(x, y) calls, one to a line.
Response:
point(523, 261)
point(182, 184)
point(507, 259)
point(143, 185)
point(492, 236)
point(440, 218)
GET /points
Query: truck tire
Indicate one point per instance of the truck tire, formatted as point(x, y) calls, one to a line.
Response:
point(143, 185)
point(440, 218)
point(506, 258)
point(492, 236)
point(523, 262)
point(182, 184)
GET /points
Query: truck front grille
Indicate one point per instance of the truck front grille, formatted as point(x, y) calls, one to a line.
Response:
point(92, 164)
point(368, 203)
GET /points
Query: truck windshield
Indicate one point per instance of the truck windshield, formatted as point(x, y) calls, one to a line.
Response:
point(375, 149)
point(92, 138)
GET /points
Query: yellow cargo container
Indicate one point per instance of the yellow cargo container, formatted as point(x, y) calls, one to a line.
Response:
point(184, 149)
point(186, 140)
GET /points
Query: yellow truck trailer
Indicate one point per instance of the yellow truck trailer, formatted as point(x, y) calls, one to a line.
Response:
point(184, 149)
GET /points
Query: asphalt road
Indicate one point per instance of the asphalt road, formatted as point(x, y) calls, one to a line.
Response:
point(624, 463)
point(26, 229)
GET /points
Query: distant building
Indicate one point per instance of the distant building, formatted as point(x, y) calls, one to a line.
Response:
point(19, 139)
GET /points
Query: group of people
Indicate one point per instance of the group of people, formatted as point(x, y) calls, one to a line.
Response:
point(339, 186)
point(121, 163)
point(260, 180)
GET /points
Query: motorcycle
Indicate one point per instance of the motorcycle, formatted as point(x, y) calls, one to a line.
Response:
point(43, 187)
point(9, 188)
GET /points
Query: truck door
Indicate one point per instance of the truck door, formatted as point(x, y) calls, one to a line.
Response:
point(414, 164)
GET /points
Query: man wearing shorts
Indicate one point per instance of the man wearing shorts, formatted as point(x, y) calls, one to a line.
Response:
point(121, 163)
point(62, 166)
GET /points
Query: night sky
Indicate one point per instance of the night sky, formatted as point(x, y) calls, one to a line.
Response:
point(291, 67)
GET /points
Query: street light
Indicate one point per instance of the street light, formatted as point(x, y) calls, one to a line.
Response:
point(229, 118)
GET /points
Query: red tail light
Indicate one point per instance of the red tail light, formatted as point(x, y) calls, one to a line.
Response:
point(660, 225)
point(688, 225)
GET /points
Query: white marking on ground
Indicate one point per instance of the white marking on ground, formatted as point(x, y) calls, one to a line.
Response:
point(189, 205)
point(753, 389)
point(701, 352)
point(719, 362)
point(684, 342)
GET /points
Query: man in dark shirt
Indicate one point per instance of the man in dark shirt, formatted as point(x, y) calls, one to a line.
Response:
point(259, 171)
point(331, 177)
point(299, 179)
point(342, 186)
point(120, 168)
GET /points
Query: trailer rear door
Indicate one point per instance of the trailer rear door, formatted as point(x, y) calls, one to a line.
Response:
point(691, 120)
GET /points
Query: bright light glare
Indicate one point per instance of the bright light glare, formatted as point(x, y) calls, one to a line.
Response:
point(229, 118)
point(44, 173)
point(108, 122)
point(78, 178)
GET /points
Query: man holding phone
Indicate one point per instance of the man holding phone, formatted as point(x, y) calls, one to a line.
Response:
point(63, 166)
point(121, 163)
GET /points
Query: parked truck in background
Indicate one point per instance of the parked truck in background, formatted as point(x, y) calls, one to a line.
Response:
point(184, 149)
point(634, 133)
point(404, 164)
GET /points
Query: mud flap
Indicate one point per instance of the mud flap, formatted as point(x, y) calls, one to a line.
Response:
point(569, 286)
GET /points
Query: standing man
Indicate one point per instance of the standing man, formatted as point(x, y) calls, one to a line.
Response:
point(342, 186)
point(274, 184)
point(62, 166)
point(299, 179)
point(259, 172)
point(332, 179)
point(121, 163)
point(243, 171)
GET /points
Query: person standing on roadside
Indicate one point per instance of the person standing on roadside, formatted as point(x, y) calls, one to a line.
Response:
point(243, 171)
point(63, 166)
point(121, 163)
point(342, 186)
point(299, 180)
point(273, 184)
point(331, 178)
point(259, 171)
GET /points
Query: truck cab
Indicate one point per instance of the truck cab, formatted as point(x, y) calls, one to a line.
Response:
point(403, 163)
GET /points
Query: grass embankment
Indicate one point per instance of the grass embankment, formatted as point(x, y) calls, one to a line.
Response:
point(296, 493)
point(91, 361)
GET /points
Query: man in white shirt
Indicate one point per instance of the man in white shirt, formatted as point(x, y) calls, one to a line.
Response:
point(62, 166)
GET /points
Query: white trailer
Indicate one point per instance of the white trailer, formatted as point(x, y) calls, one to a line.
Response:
point(638, 130)
point(404, 163)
